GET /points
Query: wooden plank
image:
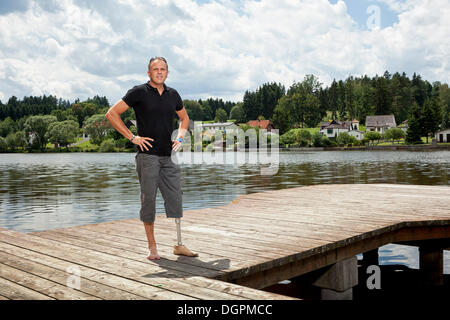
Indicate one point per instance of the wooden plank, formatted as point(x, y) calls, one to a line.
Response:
point(230, 243)
point(42, 285)
point(247, 293)
point(140, 247)
point(256, 239)
point(143, 272)
point(244, 238)
point(15, 291)
point(88, 287)
point(114, 287)
point(208, 262)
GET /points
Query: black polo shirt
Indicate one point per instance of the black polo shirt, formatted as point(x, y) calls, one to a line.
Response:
point(154, 115)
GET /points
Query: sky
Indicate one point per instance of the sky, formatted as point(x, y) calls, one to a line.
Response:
point(214, 48)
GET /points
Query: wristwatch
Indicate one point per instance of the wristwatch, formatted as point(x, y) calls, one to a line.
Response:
point(132, 137)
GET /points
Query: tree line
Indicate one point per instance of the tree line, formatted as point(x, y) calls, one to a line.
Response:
point(304, 104)
point(308, 102)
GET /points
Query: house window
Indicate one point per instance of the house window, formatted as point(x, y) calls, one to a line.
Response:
point(329, 131)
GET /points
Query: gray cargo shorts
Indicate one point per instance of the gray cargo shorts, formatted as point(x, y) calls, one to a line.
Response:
point(159, 172)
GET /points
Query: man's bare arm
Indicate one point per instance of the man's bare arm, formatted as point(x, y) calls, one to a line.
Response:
point(184, 125)
point(113, 115)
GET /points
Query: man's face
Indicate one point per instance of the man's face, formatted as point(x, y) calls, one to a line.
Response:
point(158, 72)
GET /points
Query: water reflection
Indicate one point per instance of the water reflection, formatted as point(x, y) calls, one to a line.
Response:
point(48, 191)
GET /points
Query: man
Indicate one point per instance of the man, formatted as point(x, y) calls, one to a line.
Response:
point(155, 106)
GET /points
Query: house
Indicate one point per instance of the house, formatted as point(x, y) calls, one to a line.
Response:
point(213, 127)
point(263, 124)
point(380, 123)
point(443, 136)
point(334, 128)
point(359, 135)
point(403, 126)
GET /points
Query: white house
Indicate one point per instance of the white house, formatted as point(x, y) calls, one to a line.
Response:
point(334, 128)
point(443, 136)
point(213, 127)
point(380, 123)
point(359, 135)
point(403, 126)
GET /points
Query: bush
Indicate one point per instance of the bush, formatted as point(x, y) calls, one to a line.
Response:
point(372, 136)
point(107, 146)
point(326, 142)
point(394, 134)
point(317, 139)
point(345, 139)
point(16, 140)
point(303, 135)
point(3, 145)
point(288, 137)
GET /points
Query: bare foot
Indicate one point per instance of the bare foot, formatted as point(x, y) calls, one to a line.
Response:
point(183, 251)
point(153, 254)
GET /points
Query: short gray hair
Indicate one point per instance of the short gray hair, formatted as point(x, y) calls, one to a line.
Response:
point(158, 58)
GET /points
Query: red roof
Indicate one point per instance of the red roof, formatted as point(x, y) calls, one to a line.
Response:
point(263, 124)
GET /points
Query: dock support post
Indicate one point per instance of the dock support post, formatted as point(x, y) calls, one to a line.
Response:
point(431, 264)
point(337, 281)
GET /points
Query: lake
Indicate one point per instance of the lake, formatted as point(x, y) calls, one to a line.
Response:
point(56, 190)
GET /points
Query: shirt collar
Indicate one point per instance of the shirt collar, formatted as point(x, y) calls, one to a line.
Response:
point(155, 89)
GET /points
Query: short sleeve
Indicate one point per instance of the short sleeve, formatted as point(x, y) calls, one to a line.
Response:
point(132, 97)
point(179, 102)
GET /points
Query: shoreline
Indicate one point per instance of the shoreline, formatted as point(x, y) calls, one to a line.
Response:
point(357, 148)
point(374, 148)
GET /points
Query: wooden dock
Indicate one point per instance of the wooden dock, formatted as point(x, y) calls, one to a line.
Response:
point(256, 241)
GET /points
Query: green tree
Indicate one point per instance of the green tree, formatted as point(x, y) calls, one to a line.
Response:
point(3, 145)
point(237, 113)
point(289, 137)
point(431, 117)
point(207, 111)
point(394, 134)
point(83, 110)
point(63, 132)
point(16, 140)
point(36, 129)
point(107, 146)
point(317, 139)
point(251, 105)
point(194, 110)
point(221, 115)
point(297, 109)
point(283, 116)
point(304, 135)
point(415, 128)
point(418, 90)
point(345, 139)
point(382, 97)
point(7, 126)
point(333, 99)
point(371, 136)
point(444, 101)
point(97, 127)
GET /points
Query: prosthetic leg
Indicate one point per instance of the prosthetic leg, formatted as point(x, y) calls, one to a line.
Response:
point(179, 249)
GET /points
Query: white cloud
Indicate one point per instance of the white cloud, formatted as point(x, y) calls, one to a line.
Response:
point(79, 48)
